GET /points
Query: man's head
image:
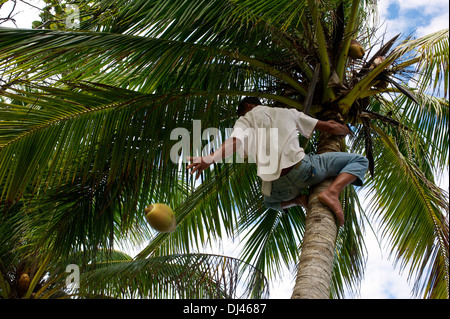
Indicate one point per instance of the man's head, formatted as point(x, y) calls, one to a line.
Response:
point(247, 104)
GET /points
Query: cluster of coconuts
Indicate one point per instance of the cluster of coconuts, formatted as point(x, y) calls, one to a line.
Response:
point(356, 51)
point(161, 217)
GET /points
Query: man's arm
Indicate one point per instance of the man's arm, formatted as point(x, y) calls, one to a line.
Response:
point(332, 127)
point(199, 164)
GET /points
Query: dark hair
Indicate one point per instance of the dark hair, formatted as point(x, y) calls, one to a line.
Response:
point(249, 100)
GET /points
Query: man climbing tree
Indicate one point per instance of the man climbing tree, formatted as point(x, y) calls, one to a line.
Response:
point(270, 136)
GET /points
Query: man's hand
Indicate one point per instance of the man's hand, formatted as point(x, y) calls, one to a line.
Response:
point(333, 127)
point(340, 129)
point(199, 164)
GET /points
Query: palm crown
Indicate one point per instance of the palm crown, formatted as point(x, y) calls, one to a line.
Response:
point(87, 116)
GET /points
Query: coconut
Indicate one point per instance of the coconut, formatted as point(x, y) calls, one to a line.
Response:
point(24, 283)
point(356, 51)
point(161, 217)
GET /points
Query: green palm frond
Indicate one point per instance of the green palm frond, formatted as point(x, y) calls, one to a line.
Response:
point(406, 200)
point(131, 61)
point(272, 239)
point(114, 274)
point(198, 20)
point(429, 124)
point(431, 55)
point(173, 276)
point(413, 216)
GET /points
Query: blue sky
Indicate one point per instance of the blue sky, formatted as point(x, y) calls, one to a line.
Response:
point(382, 280)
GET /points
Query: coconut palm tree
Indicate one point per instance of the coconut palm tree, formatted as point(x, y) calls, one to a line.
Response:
point(87, 117)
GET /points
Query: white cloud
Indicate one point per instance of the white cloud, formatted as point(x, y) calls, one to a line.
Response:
point(427, 7)
point(383, 7)
point(382, 280)
point(437, 23)
point(420, 17)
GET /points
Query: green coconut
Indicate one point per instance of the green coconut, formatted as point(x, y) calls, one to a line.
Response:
point(161, 217)
point(356, 51)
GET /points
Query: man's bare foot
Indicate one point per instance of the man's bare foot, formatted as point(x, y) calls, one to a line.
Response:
point(332, 201)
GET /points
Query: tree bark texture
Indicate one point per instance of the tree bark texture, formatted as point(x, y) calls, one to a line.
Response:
point(319, 241)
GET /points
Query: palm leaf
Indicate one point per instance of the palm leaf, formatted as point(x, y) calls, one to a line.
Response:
point(429, 123)
point(174, 276)
point(135, 61)
point(272, 238)
point(415, 206)
point(405, 195)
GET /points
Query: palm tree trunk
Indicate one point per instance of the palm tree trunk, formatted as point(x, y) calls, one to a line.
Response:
point(318, 247)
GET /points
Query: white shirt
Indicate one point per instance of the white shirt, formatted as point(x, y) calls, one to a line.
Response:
point(269, 137)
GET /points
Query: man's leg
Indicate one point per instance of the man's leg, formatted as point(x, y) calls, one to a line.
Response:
point(330, 196)
point(348, 169)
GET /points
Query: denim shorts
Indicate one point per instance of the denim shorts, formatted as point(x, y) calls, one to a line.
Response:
point(312, 170)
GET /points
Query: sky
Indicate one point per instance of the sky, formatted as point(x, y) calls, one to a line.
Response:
point(382, 280)
point(420, 17)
